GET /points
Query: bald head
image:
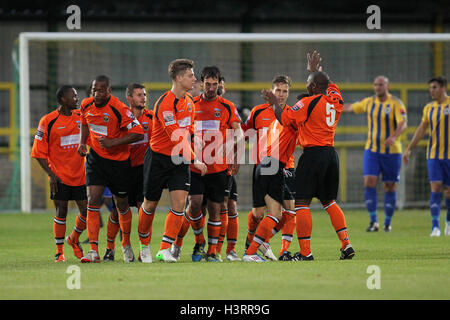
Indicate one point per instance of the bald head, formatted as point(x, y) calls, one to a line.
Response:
point(381, 86)
point(317, 83)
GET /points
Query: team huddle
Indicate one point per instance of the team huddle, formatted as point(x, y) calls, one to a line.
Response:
point(184, 145)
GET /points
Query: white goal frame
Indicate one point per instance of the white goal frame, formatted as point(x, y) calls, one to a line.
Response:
point(24, 76)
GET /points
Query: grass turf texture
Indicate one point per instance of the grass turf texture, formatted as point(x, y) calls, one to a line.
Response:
point(413, 265)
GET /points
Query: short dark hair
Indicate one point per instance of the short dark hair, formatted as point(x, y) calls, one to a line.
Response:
point(130, 88)
point(179, 65)
point(62, 91)
point(210, 72)
point(282, 79)
point(222, 78)
point(441, 80)
point(103, 78)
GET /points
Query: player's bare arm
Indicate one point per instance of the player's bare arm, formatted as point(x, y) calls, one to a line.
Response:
point(106, 142)
point(347, 107)
point(54, 179)
point(239, 134)
point(400, 128)
point(418, 135)
point(84, 133)
point(270, 97)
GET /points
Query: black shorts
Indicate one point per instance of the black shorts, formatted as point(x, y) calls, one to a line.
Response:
point(160, 173)
point(317, 174)
point(67, 193)
point(136, 193)
point(268, 179)
point(110, 173)
point(231, 190)
point(211, 186)
point(289, 185)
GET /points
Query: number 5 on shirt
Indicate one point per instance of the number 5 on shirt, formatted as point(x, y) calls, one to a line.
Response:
point(331, 114)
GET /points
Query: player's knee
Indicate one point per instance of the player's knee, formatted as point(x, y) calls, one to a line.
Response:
point(195, 208)
point(61, 208)
point(370, 182)
point(122, 204)
point(390, 186)
point(436, 187)
point(258, 213)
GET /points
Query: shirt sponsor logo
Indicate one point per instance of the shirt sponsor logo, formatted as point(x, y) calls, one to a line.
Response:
point(185, 122)
point(69, 140)
point(207, 125)
point(102, 130)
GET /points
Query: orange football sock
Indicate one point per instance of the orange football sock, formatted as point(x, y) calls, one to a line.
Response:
point(252, 225)
point(232, 232)
point(337, 218)
point(172, 226)
point(112, 229)
point(213, 229)
point(183, 230)
point(286, 215)
point(223, 229)
point(197, 224)
point(263, 233)
point(59, 232)
point(93, 225)
point(287, 233)
point(145, 226)
point(80, 226)
point(125, 225)
point(304, 228)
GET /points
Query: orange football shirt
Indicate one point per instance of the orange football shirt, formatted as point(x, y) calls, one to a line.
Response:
point(138, 148)
point(316, 117)
point(212, 119)
point(56, 140)
point(114, 120)
point(170, 115)
point(279, 142)
point(260, 119)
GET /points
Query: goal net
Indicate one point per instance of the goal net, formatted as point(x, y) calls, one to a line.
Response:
point(45, 61)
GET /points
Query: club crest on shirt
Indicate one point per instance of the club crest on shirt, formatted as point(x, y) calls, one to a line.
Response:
point(446, 111)
point(387, 110)
point(189, 107)
point(144, 126)
point(106, 117)
point(217, 114)
point(78, 124)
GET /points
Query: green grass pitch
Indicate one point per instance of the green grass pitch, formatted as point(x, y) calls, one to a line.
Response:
point(412, 265)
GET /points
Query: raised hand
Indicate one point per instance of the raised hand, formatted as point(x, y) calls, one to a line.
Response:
point(269, 96)
point(314, 61)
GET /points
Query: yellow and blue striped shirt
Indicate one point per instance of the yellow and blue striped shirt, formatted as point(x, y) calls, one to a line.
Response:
point(436, 115)
point(382, 119)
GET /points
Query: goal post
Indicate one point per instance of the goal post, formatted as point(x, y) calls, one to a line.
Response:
point(26, 38)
